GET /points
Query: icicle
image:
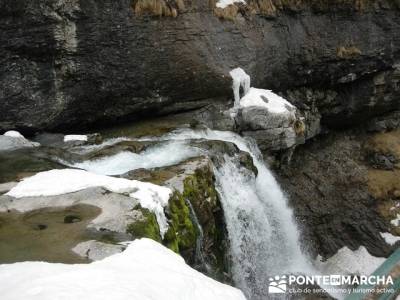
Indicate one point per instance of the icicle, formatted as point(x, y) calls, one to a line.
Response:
point(240, 79)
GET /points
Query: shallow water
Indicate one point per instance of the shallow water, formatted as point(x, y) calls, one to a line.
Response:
point(43, 235)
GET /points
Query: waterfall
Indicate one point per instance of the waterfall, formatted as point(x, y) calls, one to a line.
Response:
point(200, 262)
point(264, 239)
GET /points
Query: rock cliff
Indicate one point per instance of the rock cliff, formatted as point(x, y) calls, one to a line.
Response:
point(70, 63)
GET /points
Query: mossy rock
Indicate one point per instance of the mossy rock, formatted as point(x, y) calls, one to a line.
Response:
point(199, 189)
point(147, 227)
point(182, 234)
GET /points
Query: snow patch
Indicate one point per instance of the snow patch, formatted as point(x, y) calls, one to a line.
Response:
point(75, 137)
point(14, 134)
point(240, 80)
point(257, 97)
point(390, 238)
point(396, 222)
point(224, 3)
point(267, 99)
point(146, 270)
point(58, 182)
point(345, 261)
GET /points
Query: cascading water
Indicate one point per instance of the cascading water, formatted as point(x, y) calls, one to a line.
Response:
point(264, 239)
point(165, 154)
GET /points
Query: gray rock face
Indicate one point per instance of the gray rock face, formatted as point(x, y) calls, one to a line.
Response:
point(327, 181)
point(95, 250)
point(68, 63)
point(271, 131)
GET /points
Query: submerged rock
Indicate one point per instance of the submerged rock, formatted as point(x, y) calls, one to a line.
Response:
point(41, 235)
point(94, 250)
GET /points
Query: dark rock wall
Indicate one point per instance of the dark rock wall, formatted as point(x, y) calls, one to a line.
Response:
point(70, 63)
point(329, 186)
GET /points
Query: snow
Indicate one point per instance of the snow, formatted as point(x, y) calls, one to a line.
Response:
point(13, 133)
point(396, 222)
point(345, 261)
point(390, 238)
point(257, 97)
point(75, 137)
point(58, 182)
point(240, 79)
point(225, 3)
point(273, 102)
point(146, 270)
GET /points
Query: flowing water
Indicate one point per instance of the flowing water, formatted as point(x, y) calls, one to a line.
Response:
point(264, 239)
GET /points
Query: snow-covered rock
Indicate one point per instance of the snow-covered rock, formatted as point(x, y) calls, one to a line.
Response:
point(75, 137)
point(225, 3)
point(13, 140)
point(390, 238)
point(14, 134)
point(396, 221)
point(58, 182)
point(146, 270)
point(264, 115)
point(267, 99)
point(345, 261)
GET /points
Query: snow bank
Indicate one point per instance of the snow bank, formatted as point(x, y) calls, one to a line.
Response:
point(345, 261)
point(13, 133)
point(58, 182)
point(266, 98)
point(240, 79)
point(146, 270)
point(75, 137)
point(390, 238)
point(225, 3)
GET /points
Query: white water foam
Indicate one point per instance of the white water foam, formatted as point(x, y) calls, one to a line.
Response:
point(163, 155)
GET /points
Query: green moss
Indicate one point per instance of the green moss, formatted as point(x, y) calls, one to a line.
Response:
point(182, 234)
point(200, 187)
point(147, 227)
